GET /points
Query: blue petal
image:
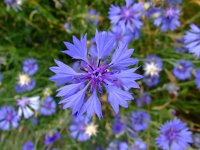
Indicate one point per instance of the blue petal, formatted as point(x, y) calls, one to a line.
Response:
point(92, 106)
point(117, 96)
point(68, 90)
point(105, 44)
point(78, 50)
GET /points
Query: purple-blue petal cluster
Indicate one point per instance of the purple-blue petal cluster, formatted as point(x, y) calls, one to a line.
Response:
point(8, 118)
point(197, 78)
point(48, 106)
point(118, 125)
point(29, 145)
point(143, 100)
point(182, 69)
point(51, 137)
point(96, 73)
point(174, 135)
point(30, 66)
point(138, 144)
point(192, 40)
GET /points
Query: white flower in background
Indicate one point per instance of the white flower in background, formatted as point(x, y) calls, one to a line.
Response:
point(24, 79)
point(91, 129)
point(27, 106)
point(151, 69)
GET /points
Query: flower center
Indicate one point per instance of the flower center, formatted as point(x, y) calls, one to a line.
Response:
point(171, 134)
point(126, 13)
point(9, 116)
point(23, 102)
point(23, 79)
point(151, 69)
point(169, 13)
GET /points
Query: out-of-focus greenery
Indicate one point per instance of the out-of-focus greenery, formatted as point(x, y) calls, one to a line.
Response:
point(37, 31)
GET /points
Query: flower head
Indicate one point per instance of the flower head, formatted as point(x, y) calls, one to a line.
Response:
point(51, 137)
point(27, 106)
point(1, 77)
point(91, 129)
point(128, 17)
point(153, 66)
point(182, 69)
point(97, 73)
point(118, 125)
point(192, 40)
point(197, 76)
point(174, 135)
point(29, 145)
point(196, 139)
point(30, 66)
point(48, 107)
point(168, 19)
point(174, 2)
point(93, 17)
point(140, 120)
point(25, 83)
point(8, 118)
point(139, 144)
point(78, 128)
point(117, 145)
point(68, 27)
point(143, 99)
point(151, 81)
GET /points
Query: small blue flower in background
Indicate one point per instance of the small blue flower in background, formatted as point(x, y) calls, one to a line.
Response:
point(68, 27)
point(127, 17)
point(196, 139)
point(15, 4)
point(34, 121)
point(1, 77)
point(51, 137)
point(78, 128)
point(150, 11)
point(174, 135)
point(27, 106)
point(140, 120)
point(197, 78)
point(29, 145)
point(138, 144)
point(192, 40)
point(151, 81)
point(120, 35)
point(118, 125)
point(30, 66)
point(8, 118)
point(143, 100)
point(48, 106)
point(182, 69)
point(117, 145)
point(25, 83)
point(96, 72)
point(168, 19)
point(93, 17)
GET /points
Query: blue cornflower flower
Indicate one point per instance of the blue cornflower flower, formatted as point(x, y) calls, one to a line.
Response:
point(139, 144)
point(182, 69)
point(151, 81)
point(30, 66)
point(25, 83)
point(117, 145)
point(68, 27)
point(27, 105)
point(34, 121)
point(128, 17)
point(97, 72)
point(196, 139)
point(168, 19)
point(93, 17)
point(118, 125)
point(15, 4)
point(78, 128)
point(192, 40)
point(120, 35)
point(140, 120)
point(1, 77)
point(51, 137)
point(143, 99)
point(197, 76)
point(8, 117)
point(48, 107)
point(29, 145)
point(174, 135)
